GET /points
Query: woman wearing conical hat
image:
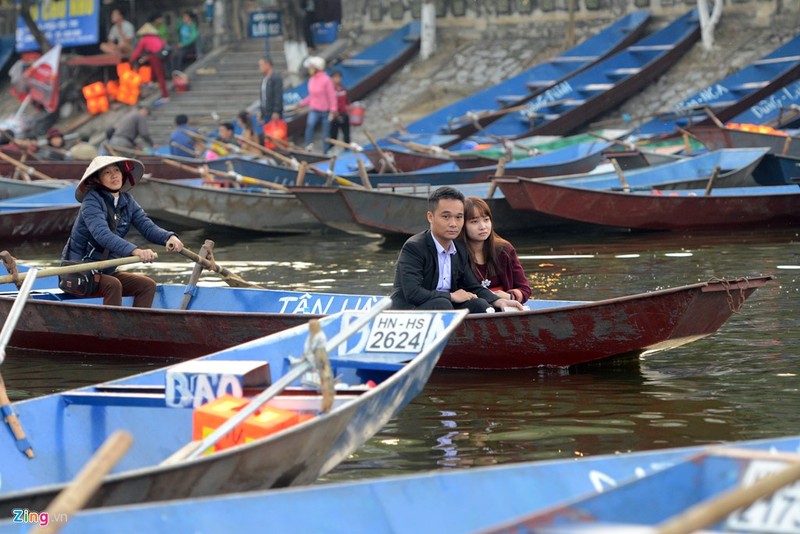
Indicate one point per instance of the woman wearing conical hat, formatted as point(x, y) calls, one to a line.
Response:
point(107, 213)
point(149, 50)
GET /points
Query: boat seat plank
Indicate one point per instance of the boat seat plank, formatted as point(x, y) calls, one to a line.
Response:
point(507, 100)
point(595, 87)
point(623, 72)
point(99, 398)
point(648, 48)
point(770, 61)
point(539, 84)
point(354, 62)
point(572, 59)
point(365, 364)
point(749, 86)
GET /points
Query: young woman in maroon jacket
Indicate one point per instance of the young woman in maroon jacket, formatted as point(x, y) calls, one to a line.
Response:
point(493, 259)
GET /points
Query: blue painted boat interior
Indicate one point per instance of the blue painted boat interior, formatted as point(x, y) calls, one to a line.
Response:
point(536, 78)
point(66, 428)
point(448, 500)
point(594, 81)
point(364, 63)
point(728, 90)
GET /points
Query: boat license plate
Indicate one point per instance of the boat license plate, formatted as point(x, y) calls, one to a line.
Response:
point(399, 332)
point(778, 513)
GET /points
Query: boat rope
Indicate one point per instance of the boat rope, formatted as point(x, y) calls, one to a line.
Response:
point(741, 283)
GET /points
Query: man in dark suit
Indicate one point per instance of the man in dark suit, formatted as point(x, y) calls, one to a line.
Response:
point(432, 271)
point(271, 92)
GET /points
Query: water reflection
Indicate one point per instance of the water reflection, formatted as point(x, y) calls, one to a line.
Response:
point(738, 384)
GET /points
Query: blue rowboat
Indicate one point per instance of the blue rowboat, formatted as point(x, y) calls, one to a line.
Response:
point(735, 170)
point(488, 104)
point(47, 214)
point(743, 208)
point(381, 366)
point(718, 490)
point(552, 333)
point(733, 95)
point(778, 109)
point(362, 72)
point(446, 500)
point(12, 188)
point(582, 157)
point(399, 209)
point(575, 101)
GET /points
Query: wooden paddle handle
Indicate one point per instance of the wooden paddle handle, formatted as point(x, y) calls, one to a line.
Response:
point(76, 268)
point(85, 484)
point(25, 168)
point(710, 512)
point(11, 419)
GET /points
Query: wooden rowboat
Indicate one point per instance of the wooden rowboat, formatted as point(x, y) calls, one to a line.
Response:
point(158, 409)
point(446, 500)
point(74, 169)
point(553, 333)
point(190, 204)
point(488, 104)
point(719, 490)
point(394, 211)
point(572, 103)
point(725, 208)
point(732, 95)
point(44, 215)
point(399, 209)
point(582, 157)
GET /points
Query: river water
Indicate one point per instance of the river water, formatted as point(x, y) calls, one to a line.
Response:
point(741, 383)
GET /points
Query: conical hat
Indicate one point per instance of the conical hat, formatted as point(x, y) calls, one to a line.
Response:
point(130, 175)
point(147, 29)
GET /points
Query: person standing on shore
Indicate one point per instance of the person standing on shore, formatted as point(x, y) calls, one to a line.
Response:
point(342, 120)
point(271, 94)
point(149, 50)
point(321, 102)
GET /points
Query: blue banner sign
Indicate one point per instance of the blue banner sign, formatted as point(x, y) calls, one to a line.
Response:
point(68, 23)
point(265, 23)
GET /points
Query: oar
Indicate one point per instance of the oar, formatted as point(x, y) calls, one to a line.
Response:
point(75, 496)
point(386, 159)
point(206, 251)
point(711, 179)
point(205, 171)
point(76, 268)
point(9, 416)
point(294, 164)
point(296, 371)
point(24, 168)
point(230, 278)
point(486, 114)
point(354, 147)
point(252, 181)
point(712, 511)
point(435, 150)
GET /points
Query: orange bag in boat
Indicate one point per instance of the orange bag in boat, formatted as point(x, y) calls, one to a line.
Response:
point(275, 129)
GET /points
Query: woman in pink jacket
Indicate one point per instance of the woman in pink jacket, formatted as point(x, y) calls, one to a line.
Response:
point(321, 101)
point(149, 49)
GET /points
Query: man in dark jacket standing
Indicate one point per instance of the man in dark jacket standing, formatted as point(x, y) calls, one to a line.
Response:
point(432, 271)
point(271, 92)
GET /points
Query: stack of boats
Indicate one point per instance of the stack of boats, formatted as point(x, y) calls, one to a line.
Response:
point(248, 413)
point(514, 145)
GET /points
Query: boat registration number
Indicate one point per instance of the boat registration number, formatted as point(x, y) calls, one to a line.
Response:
point(778, 513)
point(399, 332)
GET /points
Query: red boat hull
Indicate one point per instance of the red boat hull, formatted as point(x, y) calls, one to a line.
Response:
point(572, 335)
point(757, 207)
